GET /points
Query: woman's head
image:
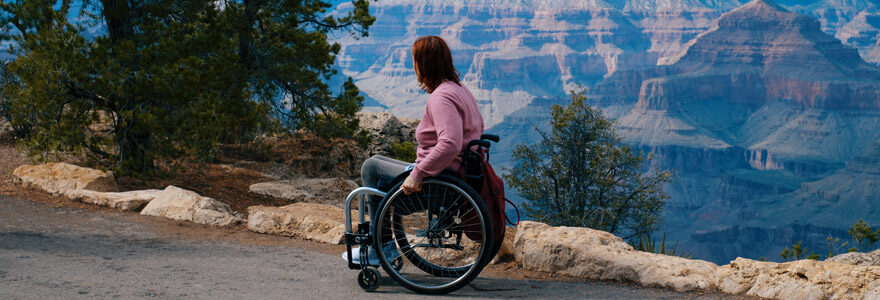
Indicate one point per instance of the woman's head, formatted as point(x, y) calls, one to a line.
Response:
point(433, 63)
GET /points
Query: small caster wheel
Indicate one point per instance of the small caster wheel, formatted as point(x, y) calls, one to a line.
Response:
point(397, 263)
point(368, 279)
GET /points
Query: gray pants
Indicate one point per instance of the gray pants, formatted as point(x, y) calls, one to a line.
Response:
point(379, 165)
point(375, 167)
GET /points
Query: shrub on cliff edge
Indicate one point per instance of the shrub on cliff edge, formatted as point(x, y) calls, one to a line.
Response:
point(580, 174)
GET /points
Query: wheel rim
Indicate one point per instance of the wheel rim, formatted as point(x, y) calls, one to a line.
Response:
point(439, 230)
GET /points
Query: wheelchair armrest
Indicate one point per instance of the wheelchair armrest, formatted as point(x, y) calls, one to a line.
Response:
point(483, 143)
point(490, 137)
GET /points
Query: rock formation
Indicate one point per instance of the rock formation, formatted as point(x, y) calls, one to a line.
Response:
point(588, 253)
point(510, 53)
point(318, 222)
point(759, 138)
point(803, 279)
point(130, 201)
point(330, 191)
point(858, 259)
point(179, 204)
point(56, 178)
point(385, 129)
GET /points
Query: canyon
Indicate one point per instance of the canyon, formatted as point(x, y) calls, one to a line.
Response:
point(766, 111)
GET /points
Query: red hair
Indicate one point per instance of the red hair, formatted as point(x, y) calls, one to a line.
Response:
point(432, 61)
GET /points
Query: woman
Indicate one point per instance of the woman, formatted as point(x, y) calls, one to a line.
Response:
point(451, 117)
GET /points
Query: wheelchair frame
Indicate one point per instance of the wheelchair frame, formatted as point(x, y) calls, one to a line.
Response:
point(369, 276)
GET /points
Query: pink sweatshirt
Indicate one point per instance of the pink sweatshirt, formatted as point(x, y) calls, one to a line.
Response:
point(450, 121)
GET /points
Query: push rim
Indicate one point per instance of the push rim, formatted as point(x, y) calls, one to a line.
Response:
point(427, 229)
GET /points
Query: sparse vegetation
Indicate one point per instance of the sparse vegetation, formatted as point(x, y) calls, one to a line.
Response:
point(797, 252)
point(580, 174)
point(648, 243)
point(862, 233)
point(834, 246)
point(403, 151)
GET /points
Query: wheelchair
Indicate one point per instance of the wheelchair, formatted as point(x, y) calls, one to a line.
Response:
point(434, 241)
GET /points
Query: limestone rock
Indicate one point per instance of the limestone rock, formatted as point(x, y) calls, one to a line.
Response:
point(331, 191)
point(385, 129)
point(858, 259)
point(593, 254)
point(131, 200)
point(180, 204)
point(318, 222)
point(506, 252)
point(803, 279)
point(56, 178)
point(4, 127)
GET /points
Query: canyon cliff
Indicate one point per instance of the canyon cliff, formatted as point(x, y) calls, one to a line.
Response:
point(770, 124)
point(761, 108)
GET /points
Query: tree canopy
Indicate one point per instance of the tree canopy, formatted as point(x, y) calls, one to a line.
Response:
point(172, 78)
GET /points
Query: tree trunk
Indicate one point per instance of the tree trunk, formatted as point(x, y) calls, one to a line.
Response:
point(245, 35)
point(118, 15)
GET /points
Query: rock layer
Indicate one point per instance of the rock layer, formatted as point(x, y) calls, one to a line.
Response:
point(858, 259)
point(331, 191)
point(803, 279)
point(385, 129)
point(318, 222)
point(57, 178)
point(588, 253)
point(180, 204)
point(130, 201)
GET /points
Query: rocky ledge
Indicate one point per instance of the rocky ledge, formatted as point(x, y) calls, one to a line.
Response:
point(587, 253)
point(331, 191)
point(56, 178)
point(318, 222)
point(98, 187)
point(179, 204)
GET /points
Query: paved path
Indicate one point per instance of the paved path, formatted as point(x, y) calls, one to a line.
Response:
point(67, 253)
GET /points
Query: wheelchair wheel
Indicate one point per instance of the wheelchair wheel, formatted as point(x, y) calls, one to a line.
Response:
point(443, 231)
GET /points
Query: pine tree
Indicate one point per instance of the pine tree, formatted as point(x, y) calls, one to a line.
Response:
point(580, 174)
point(172, 78)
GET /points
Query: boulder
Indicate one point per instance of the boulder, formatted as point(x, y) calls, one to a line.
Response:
point(318, 222)
point(56, 178)
point(180, 204)
point(803, 279)
point(4, 127)
point(593, 254)
point(331, 191)
point(131, 200)
point(857, 258)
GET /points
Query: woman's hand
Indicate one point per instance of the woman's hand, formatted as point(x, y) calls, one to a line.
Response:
point(410, 185)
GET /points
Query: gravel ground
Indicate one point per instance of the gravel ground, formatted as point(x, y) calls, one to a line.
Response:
point(62, 252)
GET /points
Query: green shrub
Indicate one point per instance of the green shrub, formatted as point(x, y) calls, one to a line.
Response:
point(864, 236)
point(797, 252)
point(581, 174)
point(403, 151)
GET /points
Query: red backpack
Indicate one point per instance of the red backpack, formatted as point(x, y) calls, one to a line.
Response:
point(480, 175)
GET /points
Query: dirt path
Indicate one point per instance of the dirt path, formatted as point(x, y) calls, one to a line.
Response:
point(49, 252)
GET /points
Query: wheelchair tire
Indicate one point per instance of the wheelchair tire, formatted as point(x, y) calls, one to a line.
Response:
point(428, 228)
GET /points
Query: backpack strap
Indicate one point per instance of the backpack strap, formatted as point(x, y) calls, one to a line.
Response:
point(517, 213)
